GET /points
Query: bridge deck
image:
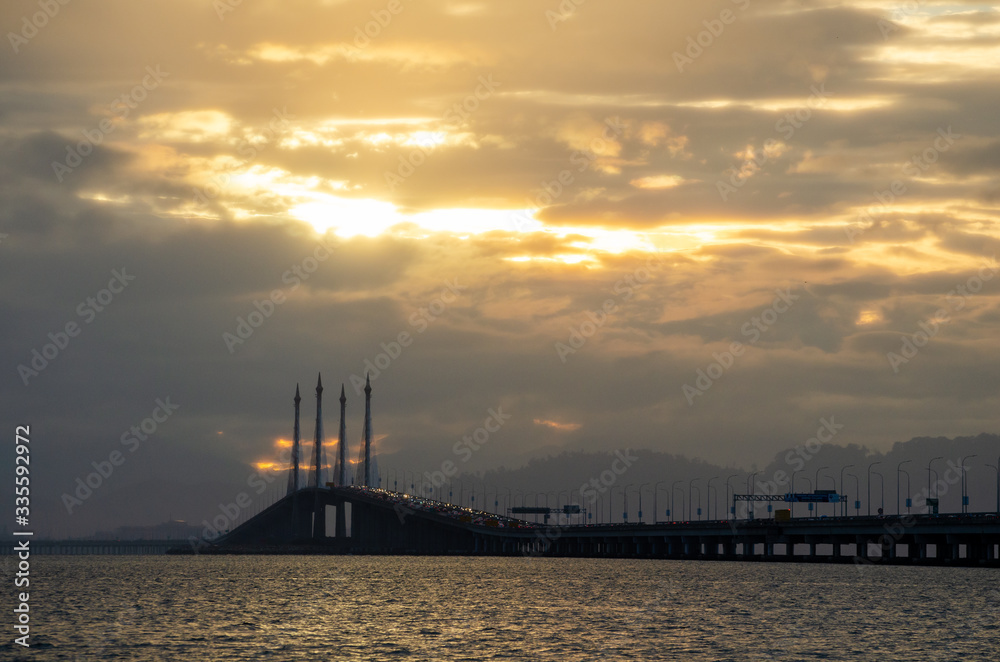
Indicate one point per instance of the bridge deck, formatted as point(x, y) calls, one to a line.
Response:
point(383, 522)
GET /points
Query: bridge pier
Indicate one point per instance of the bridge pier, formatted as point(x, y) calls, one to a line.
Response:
point(888, 548)
point(340, 524)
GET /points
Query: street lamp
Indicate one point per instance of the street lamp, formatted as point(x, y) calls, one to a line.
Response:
point(752, 490)
point(710, 498)
point(997, 469)
point(816, 486)
point(809, 489)
point(697, 510)
point(672, 488)
point(899, 469)
point(791, 506)
point(881, 487)
point(642, 485)
point(857, 493)
point(939, 457)
point(656, 494)
point(611, 505)
point(673, 503)
point(843, 502)
point(869, 481)
point(965, 484)
point(731, 505)
point(625, 512)
point(690, 501)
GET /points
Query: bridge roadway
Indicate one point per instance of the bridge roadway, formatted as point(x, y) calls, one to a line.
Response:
point(384, 522)
point(89, 547)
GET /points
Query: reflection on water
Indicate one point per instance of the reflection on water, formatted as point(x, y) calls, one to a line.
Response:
point(402, 608)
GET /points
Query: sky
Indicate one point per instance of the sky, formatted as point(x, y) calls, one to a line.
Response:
point(700, 228)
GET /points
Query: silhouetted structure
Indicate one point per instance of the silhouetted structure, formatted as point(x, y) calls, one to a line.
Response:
point(293, 475)
point(368, 432)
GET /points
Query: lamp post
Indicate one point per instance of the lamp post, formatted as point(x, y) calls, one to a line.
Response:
point(809, 489)
point(625, 512)
point(611, 505)
point(909, 492)
point(816, 486)
point(710, 498)
point(939, 457)
point(997, 469)
point(857, 493)
point(672, 488)
point(697, 510)
point(899, 469)
point(642, 485)
point(731, 505)
point(691, 501)
point(673, 502)
point(881, 487)
point(843, 502)
point(751, 489)
point(656, 494)
point(869, 481)
point(965, 484)
point(791, 506)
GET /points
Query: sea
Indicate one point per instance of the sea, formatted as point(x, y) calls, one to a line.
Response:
point(289, 608)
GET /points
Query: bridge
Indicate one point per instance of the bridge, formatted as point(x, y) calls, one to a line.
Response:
point(90, 547)
point(370, 520)
point(376, 521)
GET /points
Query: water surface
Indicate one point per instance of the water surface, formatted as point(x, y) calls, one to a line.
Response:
point(435, 608)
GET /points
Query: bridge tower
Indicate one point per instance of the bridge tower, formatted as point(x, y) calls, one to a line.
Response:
point(293, 476)
point(341, 477)
point(340, 528)
point(319, 512)
point(368, 431)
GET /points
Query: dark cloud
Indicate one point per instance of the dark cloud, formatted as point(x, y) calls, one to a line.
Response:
point(635, 275)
